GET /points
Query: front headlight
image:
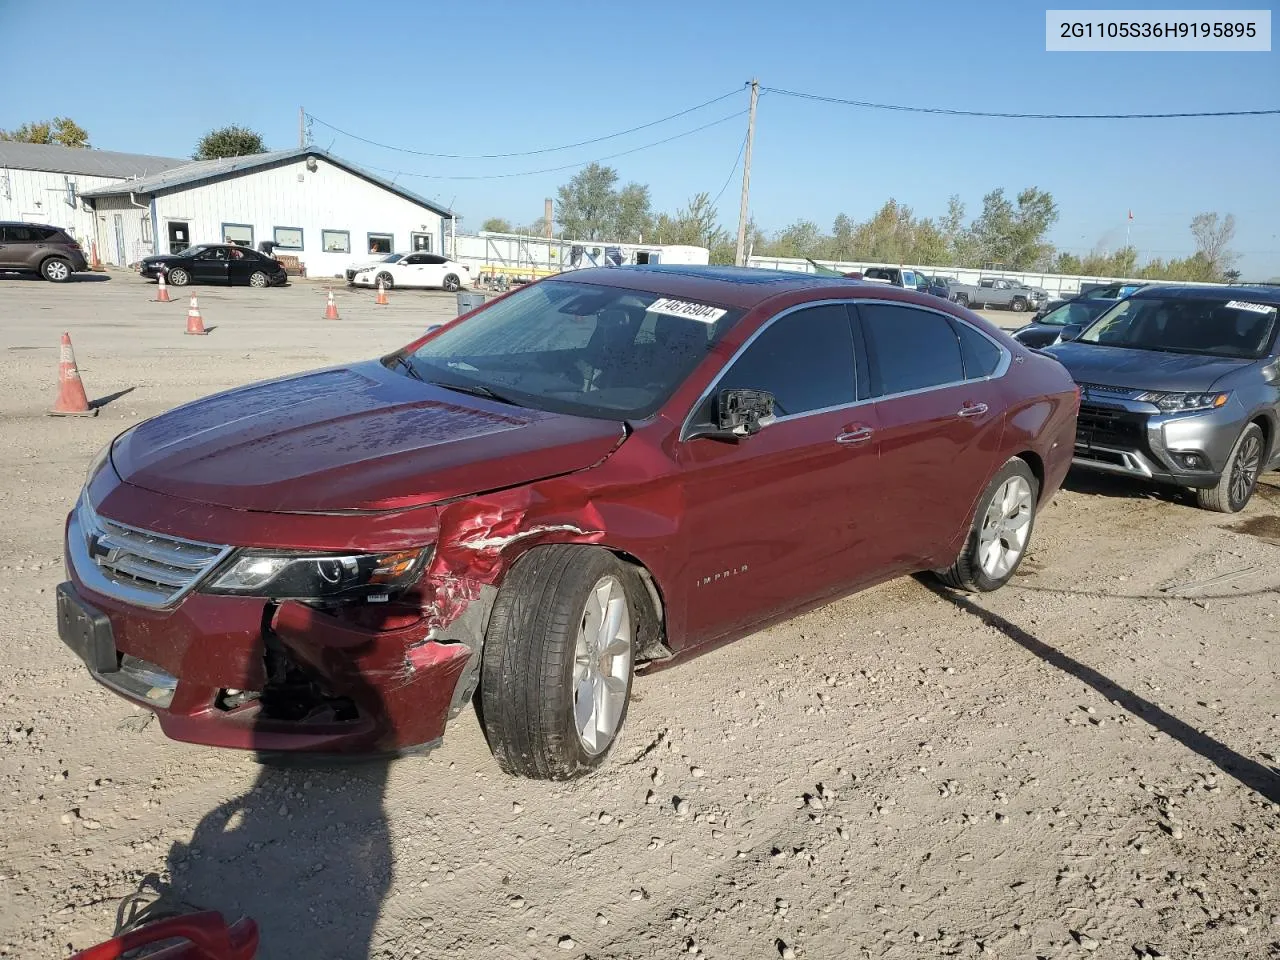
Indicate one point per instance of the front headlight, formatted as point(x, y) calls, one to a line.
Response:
point(1185, 402)
point(98, 462)
point(315, 576)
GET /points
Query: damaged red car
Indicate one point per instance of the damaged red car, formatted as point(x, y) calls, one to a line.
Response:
point(603, 472)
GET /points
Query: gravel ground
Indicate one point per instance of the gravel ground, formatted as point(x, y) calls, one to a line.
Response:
point(1083, 764)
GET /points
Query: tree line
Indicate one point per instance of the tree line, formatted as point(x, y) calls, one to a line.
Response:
point(231, 141)
point(1008, 233)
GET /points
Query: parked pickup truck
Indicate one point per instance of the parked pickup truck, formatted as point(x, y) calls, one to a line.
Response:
point(896, 276)
point(998, 292)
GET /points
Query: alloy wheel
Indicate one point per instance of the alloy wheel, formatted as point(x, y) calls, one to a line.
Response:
point(1244, 469)
point(1005, 527)
point(601, 665)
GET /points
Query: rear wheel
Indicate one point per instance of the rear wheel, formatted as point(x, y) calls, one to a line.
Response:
point(452, 283)
point(962, 299)
point(558, 662)
point(56, 270)
point(258, 279)
point(1235, 488)
point(1000, 533)
point(177, 277)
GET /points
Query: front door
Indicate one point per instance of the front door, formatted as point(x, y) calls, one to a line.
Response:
point(211, 266)
point(781, 517)
point(120, 252)
point(940, 426)
point(179, 236)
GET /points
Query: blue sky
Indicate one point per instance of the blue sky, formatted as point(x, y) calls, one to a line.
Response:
point(504, 76)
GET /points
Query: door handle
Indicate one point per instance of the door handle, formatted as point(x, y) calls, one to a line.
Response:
point(972, 410)
point(861, 435)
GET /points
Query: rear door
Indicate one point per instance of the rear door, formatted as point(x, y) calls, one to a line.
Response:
point(780, 518)
point(240, 263)
point(433, 269)
point(940, 425)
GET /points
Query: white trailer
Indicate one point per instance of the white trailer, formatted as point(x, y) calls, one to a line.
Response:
point(519, 257)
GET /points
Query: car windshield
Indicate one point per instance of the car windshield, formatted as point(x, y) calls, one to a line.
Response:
point(577, 348)
point(1078, 311)
point(1216, 328)
point(390, 258)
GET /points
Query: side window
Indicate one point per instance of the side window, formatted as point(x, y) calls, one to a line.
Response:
point(433, 259)
point(981, 356)
point(411, 261)
point(909, 349)
point(804, 359)
point(17, 234)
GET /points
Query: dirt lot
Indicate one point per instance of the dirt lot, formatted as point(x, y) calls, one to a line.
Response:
point(1083, 764)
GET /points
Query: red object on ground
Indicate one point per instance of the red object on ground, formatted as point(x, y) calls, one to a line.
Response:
point(381, 298)
point(71, 401)
point(95, 263)
point(331, 308)
point(195, 323)
point(207, 937)
point(162, 291)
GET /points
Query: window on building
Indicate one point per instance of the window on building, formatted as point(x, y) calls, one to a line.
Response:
point(287, 238)
point(146, 229)
point(380, 242)
point(238, 233)
point(335, 241)
point(420, 242)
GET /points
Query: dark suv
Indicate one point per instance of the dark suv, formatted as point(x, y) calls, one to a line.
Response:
point(40, 248)
point(1180, 385)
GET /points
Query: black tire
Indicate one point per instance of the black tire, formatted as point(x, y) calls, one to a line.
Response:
point(388, 281)
point(962, 299)
point(177, 277)
point(1018, 305)
point(1234, 489)
point(526, 696)
point(56, 270)
point(259, 279)
point(451, 283)
point(968, 573)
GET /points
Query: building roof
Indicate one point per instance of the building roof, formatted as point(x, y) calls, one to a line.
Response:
point(55, 158)
point(197, 171)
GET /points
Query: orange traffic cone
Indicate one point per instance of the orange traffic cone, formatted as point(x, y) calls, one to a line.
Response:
point(331, 308)
point(162, 291)
point(71, 400)
point(381, 299)
point(96, 262)
point(195, 323)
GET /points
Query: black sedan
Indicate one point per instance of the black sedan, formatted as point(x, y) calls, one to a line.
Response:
point(216, 263)
point(1044, 331)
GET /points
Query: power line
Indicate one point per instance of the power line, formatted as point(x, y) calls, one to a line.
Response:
point(732, 171)
point(523, 153)
point(567, 166)
point(1019, 116)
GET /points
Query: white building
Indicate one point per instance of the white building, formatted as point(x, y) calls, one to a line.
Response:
point(45, 183)
point(309, 203)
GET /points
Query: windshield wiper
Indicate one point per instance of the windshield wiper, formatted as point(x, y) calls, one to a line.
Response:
point(409, 367)
point(475, 390)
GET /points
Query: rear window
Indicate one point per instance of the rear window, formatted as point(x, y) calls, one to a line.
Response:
point(1235, 328)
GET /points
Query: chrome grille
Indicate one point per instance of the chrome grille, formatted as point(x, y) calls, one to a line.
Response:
point(134, 565)
point(1103, 388)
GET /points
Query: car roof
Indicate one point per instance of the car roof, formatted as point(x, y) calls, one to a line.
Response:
point(1256, 294)
point(743, 287)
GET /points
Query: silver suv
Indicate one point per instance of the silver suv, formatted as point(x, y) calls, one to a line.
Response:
point(40, 248)
point(1181, 385)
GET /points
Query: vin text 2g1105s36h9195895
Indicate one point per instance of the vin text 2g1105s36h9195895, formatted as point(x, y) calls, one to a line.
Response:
point(601, 471)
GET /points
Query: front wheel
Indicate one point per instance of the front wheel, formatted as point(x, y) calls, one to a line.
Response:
point(1000, 533)
point(56, 270)
point(559, 658)
point(386, 280)
point(177, 277)
point(1019, 305)
point(452, 284)
point(258, 279)
point(1235, 488)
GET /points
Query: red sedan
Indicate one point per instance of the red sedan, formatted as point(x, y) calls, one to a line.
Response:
point(601, 472)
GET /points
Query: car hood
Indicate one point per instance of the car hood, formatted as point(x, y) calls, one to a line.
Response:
point(352, 438)
point(1142, 369)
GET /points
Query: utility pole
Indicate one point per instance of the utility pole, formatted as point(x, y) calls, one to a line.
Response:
point(302, 127)
point(740, 257)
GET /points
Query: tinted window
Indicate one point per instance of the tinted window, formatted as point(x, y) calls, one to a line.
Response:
point(15, 233)
point(909, 349)
point(412, 260)
point(981, 356)
point(433, 259)
point(804, 359)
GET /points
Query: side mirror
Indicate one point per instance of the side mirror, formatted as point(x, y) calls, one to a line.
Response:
point(741, 412)
point(1070, 332)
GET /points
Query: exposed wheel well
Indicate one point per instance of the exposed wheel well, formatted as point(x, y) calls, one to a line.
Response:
point(652, 644)
point(1037, 467)
point(1267, 437)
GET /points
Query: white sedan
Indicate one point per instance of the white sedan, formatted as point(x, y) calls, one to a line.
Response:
point(417, 270)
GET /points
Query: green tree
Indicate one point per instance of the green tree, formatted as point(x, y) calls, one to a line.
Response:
point(496, 225)
point(233, 141)
point(695, 224)
point(60, 130)
point(804, 238)
point(841, 247)
point(633, 218)
point(1213, 234)
point(587, 206)
point(1013, 236)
